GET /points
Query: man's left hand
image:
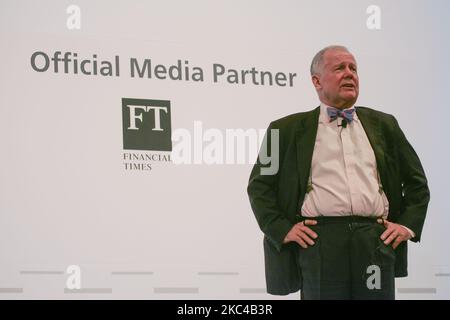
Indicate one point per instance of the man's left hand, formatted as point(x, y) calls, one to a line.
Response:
point(394, 232)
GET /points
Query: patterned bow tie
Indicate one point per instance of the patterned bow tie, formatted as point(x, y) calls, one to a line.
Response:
point(347, 114)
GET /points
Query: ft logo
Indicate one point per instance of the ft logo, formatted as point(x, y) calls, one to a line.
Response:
point(146, 124)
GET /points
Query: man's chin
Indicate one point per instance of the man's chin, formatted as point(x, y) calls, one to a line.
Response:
point(350, 97)
point(348, 101)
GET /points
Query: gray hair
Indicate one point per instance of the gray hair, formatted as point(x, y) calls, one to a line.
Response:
point(318, 58)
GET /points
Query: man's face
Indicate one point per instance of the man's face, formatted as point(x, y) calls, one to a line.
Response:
point(337, 82)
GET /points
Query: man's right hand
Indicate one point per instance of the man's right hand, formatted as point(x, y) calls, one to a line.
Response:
point(302, 234)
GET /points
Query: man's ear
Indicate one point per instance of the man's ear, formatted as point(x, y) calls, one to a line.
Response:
point(316, 82)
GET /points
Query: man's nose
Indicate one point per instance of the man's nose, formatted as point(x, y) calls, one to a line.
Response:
point(349, 73)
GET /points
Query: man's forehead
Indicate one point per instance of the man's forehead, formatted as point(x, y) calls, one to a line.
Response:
point(338, 56)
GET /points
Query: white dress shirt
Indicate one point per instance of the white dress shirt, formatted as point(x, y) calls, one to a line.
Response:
point(344, 178)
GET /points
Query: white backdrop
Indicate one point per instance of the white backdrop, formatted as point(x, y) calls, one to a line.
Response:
point(187, 231)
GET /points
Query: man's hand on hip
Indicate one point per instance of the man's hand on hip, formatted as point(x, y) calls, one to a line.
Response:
point(302, 234)
point(394, 232)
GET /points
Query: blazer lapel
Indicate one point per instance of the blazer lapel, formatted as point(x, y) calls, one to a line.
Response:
point(305, 139)
point(372, 127)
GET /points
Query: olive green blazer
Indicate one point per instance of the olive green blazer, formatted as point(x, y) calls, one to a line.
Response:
point(276, 199)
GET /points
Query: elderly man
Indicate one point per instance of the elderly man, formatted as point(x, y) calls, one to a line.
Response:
point(348, 195)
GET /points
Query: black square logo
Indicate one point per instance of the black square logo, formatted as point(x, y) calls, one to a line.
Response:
point(146, 124)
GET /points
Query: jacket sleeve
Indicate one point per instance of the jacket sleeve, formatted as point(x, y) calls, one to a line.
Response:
point(415, 192)
point(262, 191)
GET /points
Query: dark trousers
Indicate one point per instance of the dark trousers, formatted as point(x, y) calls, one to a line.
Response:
point(347, 261)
